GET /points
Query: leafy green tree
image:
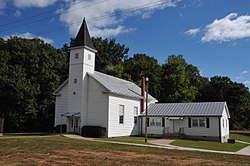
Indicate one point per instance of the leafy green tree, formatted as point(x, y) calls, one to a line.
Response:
point(176, 80)
point(29, 73)
point(142, 65)
point(235, 94)
point(110, 53)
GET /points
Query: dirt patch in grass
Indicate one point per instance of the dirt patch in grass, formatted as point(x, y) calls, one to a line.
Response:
point(91, 157)
point(64, 151)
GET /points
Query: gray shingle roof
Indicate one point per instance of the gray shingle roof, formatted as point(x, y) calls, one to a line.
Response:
point(118, 86)
point(187, 109)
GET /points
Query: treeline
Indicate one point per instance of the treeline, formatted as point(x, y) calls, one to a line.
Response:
point(30, 70)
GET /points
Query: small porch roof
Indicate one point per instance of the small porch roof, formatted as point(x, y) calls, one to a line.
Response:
point(69, 114)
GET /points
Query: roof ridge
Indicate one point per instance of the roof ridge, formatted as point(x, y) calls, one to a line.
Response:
point(194, 102)
point(114, 77)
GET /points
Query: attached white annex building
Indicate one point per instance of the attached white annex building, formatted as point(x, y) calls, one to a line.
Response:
point(209, 120)
point(90, 98)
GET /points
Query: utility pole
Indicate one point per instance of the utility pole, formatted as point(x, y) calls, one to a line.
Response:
point(146, 121)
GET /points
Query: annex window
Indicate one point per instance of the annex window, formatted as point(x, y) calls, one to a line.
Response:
point(89, 57)
point(155, 122)
point(121, 114)
point(135, 115)
point(195, 122)
point(75, 80)
point(199, 122)
point(76, 55)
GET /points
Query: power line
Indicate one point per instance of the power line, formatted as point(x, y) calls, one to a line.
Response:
point(43, 13)
point(133, 9)
point(45, 18)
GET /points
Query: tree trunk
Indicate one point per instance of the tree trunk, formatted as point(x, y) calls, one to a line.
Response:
point(1, 125)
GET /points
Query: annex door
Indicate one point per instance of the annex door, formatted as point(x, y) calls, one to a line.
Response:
point(176, 125)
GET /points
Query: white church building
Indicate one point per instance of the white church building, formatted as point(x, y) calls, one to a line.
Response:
point(91, 98)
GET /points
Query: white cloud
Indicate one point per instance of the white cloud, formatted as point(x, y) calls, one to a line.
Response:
point(33, 3)
point(228, 28)
point(107, 32)
point(192, 32)
point(247, 83)
point(17, 13)
point(2, 5)
point(108, 26)
point(244, 72)
point(29, 35)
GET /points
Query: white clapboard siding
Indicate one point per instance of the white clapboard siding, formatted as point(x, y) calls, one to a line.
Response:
point(75, 89)
point(128, 127)
point(213, 129)
point(97, 114)
point(61, 106)
point(158, 130)
point(225, 127)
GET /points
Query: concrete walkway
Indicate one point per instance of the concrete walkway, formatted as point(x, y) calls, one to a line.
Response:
point(161, 143)
point(243, 142)
point(244, 151)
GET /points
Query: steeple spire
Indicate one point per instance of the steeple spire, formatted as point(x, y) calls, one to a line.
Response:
point(83, 37)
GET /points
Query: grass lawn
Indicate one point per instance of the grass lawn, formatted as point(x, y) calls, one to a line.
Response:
point(58, 150)
point(130, 139)
point(241, 136)
point(209, 145)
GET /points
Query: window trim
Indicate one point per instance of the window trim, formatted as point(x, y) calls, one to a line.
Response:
point(136, 110)
point(156, 121)
point(77, 55)
point(121, 115)
point(193, 122)
point(75, 80)
point(198, 122)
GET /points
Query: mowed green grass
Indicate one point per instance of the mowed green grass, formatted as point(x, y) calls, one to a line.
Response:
point(241, 136)
point(209, 145)
point(128, 139)
point(58, 150)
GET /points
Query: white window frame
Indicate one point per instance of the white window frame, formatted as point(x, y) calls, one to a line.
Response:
point(121, 114)
point(193, 122)
point(155, 122)
point(76, 55)
point(198, 122)
point(136, 115)
point(201, 119)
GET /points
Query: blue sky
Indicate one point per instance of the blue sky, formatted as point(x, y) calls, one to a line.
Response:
point(213, 35)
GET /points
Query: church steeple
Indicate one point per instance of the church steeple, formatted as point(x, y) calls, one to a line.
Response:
point(83, 37)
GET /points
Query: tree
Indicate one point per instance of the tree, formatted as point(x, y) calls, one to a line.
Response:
point(176, 80)
point(235, 94)
point(142, 65)
point(30, 70)
point(110, 53)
